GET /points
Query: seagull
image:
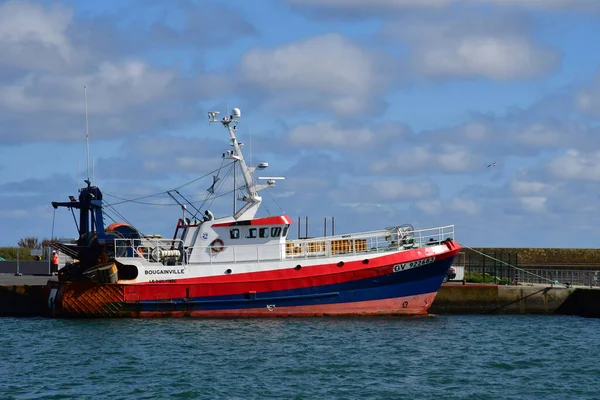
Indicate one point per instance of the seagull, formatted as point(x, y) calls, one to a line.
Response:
point(492, 164)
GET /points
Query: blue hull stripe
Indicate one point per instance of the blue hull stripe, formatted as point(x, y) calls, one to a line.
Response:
point(412, 282)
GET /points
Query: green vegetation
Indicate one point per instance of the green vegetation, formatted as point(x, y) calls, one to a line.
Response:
point(30, 242)
point(23, 249)
point(476, 277)
point(10, 253)
point(537, 257)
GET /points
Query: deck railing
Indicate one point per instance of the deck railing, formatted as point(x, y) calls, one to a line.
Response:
point(391, 239)
point(151, 249)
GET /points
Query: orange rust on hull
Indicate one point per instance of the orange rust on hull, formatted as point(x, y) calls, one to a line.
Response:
point(90, 299)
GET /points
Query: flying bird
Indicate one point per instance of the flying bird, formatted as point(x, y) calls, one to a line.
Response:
point(492, 164)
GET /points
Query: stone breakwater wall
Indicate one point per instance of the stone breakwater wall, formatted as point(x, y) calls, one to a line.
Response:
point(499, 299)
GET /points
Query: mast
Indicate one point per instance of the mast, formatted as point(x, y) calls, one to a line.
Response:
point(87, 134)
point(252, 198)
point(234, 188)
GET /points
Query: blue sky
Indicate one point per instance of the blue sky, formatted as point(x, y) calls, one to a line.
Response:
point(377, 113)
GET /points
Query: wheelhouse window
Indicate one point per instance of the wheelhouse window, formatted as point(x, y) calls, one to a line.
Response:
point(251, 233)
point(285, 230)
point(234, 233)
point(275, 232)
point(263, 232)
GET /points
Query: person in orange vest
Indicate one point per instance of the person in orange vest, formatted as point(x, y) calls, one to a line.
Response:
point(54, 266)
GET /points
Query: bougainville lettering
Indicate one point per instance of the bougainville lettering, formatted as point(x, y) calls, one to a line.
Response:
point(165, 271)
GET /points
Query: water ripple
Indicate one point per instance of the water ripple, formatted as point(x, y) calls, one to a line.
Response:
point(449, 357)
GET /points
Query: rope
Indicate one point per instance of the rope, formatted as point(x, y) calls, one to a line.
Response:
point(192, 204)
point(165, 192)
point(107, 215)
point(119, 214)
point(205, 175)
point(210, 199)
point(53, 219)
point(140, 202)
point(514, 267)
point(272, 198)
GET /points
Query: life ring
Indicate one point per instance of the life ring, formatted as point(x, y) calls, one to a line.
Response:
point(217, 245)
point(140, 252)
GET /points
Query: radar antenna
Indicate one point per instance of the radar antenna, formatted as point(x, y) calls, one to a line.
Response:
point(252, 198)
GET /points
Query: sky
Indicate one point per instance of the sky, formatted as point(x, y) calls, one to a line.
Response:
point(377, 113)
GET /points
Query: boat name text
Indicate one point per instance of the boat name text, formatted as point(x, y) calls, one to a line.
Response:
point(413, 264)
point(165, 271)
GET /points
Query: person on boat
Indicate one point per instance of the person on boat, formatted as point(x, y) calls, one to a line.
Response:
point(54, 263)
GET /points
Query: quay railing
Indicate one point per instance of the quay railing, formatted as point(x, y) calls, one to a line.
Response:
point(501, 272)
point(26, 261)
point(530, 276)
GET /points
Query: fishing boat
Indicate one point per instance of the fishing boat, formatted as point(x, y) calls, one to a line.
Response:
point(243, 265)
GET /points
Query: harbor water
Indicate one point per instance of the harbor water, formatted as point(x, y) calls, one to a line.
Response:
point(435, 357)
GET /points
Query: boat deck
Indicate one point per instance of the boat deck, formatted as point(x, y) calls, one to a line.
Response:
point(399, 238)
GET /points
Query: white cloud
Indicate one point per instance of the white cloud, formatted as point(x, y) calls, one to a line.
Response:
point(447, 158)
point(49, 55)
point(31, 35)
point(476, 131)
point(112, 88)
point(576, 165)
point(534, 204)
point(539, 135)
point(465, 206)
point(588, 99)
point(528, 188)
point(367, 208)
point(328, 62)
point(471, 44)
point(396, 190)
point(487, 56)
point(161, 157)
point(17, 214)
point(455, 158)
point(324, 72)
point(332, 134)
point(429, 207)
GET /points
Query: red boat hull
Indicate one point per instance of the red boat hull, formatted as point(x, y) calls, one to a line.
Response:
point(382, 287)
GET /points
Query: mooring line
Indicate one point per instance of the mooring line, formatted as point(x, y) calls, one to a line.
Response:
point(546, 289)
point(553, 282)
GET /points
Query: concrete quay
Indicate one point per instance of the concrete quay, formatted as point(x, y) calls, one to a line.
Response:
point(456, 298)
point(27, 296)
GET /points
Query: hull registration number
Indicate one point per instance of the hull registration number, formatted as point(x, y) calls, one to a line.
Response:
point(413, 264)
